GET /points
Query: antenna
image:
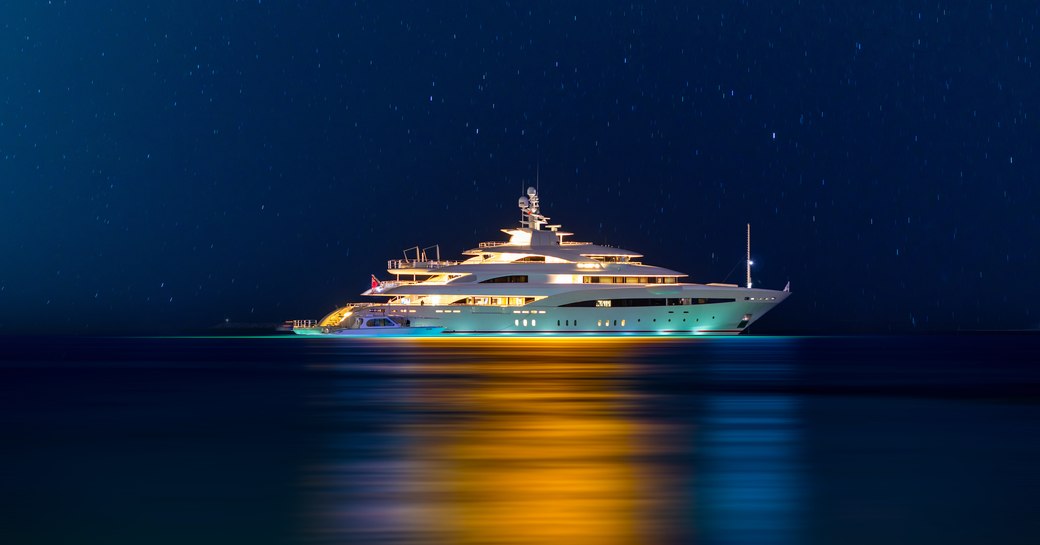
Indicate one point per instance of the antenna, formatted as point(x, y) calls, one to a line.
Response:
point(749, 256)
point(538, 176)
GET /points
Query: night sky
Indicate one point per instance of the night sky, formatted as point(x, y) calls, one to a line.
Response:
point(172, 165)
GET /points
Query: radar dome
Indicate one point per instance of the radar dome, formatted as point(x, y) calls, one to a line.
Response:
point(531, 192)
point(524, 203)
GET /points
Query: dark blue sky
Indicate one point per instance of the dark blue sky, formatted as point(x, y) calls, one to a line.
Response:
point(169, 165)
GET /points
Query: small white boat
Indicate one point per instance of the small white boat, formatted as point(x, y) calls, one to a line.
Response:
point(372, 325)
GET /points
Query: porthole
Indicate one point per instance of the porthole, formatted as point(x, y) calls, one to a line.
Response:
point(534, 322)
point(557, 323)
point(622, 323)
point(615, 322)
point(525, 322)
point(516, 322)
point(599, 323)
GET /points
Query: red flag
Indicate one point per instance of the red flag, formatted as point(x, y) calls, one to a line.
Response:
point(375, 282)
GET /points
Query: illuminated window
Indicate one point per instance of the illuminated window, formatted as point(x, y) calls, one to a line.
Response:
point(514, 279)
point(599, 322)
point(516, 322)
point(622, 323)
point(525, 322)
point(534, 322)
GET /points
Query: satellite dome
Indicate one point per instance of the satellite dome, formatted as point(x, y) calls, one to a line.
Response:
point(531, 192)
point(524, 203)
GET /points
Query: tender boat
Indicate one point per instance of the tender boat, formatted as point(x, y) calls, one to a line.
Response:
point(378, 324)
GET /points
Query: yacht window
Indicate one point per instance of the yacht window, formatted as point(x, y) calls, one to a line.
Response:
point(648, 302)
point(531, 259)
point(513, 279)
point(379, 322)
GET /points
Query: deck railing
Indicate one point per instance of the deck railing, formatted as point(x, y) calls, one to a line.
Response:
point(395, 264)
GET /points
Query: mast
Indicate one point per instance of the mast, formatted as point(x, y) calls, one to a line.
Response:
point(749, 256)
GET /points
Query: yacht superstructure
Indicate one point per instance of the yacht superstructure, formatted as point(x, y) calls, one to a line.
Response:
point(539, 282)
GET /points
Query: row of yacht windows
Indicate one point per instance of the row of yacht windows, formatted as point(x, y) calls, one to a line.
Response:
point(647, 302)
point(522, 279)
point(629, 279)
point(623, 322)
point(495, 301)
point(512, 279)
point(611, 258)
point(600, 258)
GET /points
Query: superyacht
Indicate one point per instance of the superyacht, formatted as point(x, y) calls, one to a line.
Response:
point(538, 282)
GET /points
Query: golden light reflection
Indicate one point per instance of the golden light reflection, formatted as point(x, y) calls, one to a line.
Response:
point(513, 441)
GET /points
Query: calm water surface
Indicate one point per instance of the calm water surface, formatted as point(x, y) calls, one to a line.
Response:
point(758, 440)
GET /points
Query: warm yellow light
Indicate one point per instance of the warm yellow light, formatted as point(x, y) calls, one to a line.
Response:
point(551, 453)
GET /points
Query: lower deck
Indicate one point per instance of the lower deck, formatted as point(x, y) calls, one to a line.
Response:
point(729, 318)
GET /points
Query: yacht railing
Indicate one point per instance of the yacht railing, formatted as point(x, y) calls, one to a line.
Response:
point(496, 243)
point(387, 284)
point(395, 264)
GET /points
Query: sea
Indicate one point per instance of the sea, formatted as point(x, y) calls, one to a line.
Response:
point(482, 440)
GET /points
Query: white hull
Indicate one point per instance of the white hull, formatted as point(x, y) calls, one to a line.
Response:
point(692, 319)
